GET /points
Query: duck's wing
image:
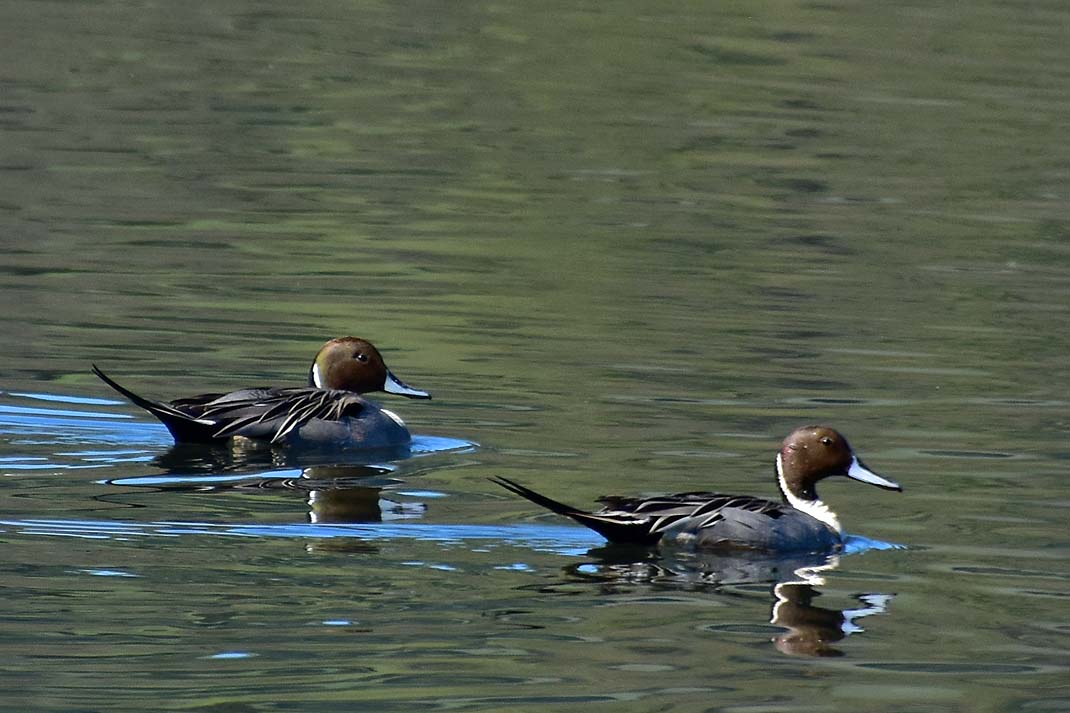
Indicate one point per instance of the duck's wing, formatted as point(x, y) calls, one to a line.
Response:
point(196, 405)
point(272, 414)
point(686, 511)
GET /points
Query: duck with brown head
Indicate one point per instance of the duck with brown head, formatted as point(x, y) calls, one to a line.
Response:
point(717, 521)
point(329, 412)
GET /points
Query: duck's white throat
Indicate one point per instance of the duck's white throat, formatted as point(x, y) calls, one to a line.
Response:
point(317, 377)
point(814, 508)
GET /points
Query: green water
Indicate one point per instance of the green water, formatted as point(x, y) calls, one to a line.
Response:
point(628, 247)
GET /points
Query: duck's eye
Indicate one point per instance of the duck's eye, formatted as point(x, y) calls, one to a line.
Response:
point(827, 441)
point(361, 357)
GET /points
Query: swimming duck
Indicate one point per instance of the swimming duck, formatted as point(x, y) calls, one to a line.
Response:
point(799, 522)
point(329, 411)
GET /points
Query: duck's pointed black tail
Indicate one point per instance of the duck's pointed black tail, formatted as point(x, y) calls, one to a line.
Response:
point(622, 530)
point(184, 428)
point(537, 498)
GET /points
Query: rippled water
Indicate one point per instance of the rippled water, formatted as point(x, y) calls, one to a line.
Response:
point(627, 248)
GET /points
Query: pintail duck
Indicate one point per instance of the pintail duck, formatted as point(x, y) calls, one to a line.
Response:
point(328, 412)
point(799, 522)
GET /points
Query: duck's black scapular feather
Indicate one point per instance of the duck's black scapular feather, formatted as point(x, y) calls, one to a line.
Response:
point(275, 413)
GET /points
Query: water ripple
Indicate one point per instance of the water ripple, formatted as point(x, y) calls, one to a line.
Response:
point(561, 539)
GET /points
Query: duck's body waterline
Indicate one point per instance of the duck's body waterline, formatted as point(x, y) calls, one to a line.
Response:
point(329, 412)
point(708, 520)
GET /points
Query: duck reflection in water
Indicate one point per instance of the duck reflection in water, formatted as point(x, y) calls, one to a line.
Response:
point(349, 493)
point(243, 458)
point(809, 630)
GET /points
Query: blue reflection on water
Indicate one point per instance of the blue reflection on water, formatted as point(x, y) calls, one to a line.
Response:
point(108, 573)
point(856, 544)
point(232, 655)
point(53, 426)
point(60, 398)
point(204, 479)
point(50, 412)
point(438, 444)
point(561, 539)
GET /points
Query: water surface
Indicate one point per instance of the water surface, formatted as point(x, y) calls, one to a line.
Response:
point(627, 248)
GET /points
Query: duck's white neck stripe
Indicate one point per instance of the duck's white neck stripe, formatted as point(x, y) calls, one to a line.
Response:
point(814, 508)
point(317, 377)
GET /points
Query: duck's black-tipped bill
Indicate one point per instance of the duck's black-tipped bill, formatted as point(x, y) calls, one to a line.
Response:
point(394, 385)
point(857, 471)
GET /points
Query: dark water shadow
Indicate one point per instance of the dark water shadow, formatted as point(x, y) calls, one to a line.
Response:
point(334, 492)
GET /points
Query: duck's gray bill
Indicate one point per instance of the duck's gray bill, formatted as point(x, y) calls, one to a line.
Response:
point(862, 474)
point(394, 385)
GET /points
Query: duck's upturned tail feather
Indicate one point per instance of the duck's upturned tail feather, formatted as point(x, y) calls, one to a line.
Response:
point(615, 528)
point(537, 498)
point(184, 427)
